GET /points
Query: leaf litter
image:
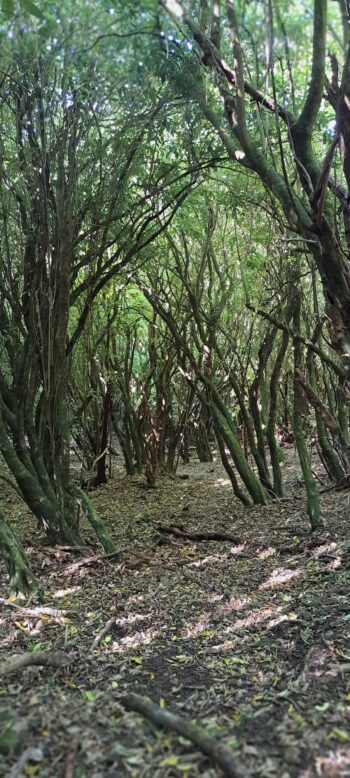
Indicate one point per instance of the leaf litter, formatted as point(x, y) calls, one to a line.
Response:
point(249, 638)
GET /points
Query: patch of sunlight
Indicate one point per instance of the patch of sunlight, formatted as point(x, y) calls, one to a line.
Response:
point(234, 604)
point(135, 640)
point(335, 764)
point(267, 552)
point(227, 645)
point(136, 598)
point(279, 576)
point(324, 549)
point(223, 482)
point(254, 617)
point(195, 629)
point(334, 564)
point(235, 550)
point(206, 559)
point(214, 597)
point(132, 618)
point(66, 592)
point(283, 617)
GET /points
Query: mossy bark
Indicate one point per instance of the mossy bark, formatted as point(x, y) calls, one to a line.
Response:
point(313, 504)
point(328, 454)
point(96, 522)
point(224, 425)
point(271, 424)
point(230, 471)
point(21, 576)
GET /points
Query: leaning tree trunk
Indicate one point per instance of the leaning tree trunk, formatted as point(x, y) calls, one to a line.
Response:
point(271, 424)
point(230, 471)
point(313, 505)
point(223, 423)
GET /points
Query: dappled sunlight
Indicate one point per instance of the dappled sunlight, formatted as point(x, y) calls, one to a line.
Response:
point(234, 604)
point(281, 618)
point(253, 618)
point(223, 482)
point(279, 576)
point(227, 645)
point(334, 564)
point(136, 640)
point(135, 598)
point(235, 550)
point(267, 552)
point(66, 592)
point(335, 764)
point(326, 548)
point(215, 597)
point(206, 559)
point(195, 629)
point(132, 618)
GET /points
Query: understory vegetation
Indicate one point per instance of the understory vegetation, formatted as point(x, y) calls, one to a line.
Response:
point(175, 383)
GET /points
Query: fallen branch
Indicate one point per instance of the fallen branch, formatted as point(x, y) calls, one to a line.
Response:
point(39, 658)
point(90, 561)
point(37, 612)
point(344, 483)
point(27, 756)
point(222, 755)
point(103, 632)
point(71, 756)
point(181, 532)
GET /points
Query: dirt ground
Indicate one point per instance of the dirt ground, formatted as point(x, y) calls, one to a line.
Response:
point(249, 637)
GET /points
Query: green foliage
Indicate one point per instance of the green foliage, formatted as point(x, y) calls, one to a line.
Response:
point(8, 8)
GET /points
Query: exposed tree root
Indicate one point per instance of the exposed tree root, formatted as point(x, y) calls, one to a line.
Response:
point(222, 755)
point(181, 532)
point(39, 658)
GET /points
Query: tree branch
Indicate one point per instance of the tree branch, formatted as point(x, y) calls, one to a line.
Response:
point(308, 116)
point(220, 754)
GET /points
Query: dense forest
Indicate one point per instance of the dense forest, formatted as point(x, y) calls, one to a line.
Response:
point(174, 388)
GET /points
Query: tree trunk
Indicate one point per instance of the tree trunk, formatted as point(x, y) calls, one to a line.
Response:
point(313, 505)
point(21, 576)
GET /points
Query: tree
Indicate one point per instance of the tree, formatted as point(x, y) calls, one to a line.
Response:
point(296, 169)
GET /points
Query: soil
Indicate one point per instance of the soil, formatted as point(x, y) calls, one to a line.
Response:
point(248, 637)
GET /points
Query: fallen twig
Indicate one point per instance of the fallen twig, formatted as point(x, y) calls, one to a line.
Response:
point(220, 754)
point(71, 755)
point(195, 579)
point(40, 658)
point(26, 757)
point(37, 612)
point(93, 560)
point(103, 632)
point(181, 532)
point(344, 483)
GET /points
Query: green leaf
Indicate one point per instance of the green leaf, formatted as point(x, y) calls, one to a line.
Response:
point(91, 695)
point(33, 647)
point(137, 659)
point(33, 9)
point(7, 7)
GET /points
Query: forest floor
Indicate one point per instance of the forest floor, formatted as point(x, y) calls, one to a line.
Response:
point(249, 637)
